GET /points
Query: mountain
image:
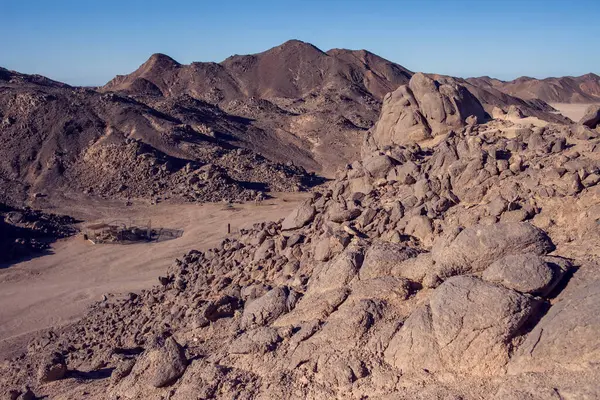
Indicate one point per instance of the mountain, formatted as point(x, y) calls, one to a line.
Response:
point(322, 101)
point(567, 89)
point(57, 139)
point(295, 91)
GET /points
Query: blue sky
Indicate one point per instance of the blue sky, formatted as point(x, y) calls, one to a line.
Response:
point(87, 42)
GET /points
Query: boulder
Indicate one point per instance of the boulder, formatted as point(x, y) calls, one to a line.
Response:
point(475, 248)
point(378, 165)
point(52, 367)
point(257, 341)
point(381, 257)
point(301, 216)
point(566, 337)
point(591, 118)
point(466, 328)
point(164, 364)
point(268, 308)
point(525, 273)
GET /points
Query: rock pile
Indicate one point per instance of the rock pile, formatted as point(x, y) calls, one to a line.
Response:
point(467, 270)
point(26, 232)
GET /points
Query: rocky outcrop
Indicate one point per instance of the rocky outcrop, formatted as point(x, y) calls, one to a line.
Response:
point(423, 109)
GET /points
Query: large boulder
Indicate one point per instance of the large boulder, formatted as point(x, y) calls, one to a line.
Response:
point(52, 367)
point(591, 118)
point(422, 109)
point(525, 273)
point(475, 248)
point(567, 336)
point(301, 216)
point(382, 257)
point(159, 366)
point(268, 307)
point(466, 328)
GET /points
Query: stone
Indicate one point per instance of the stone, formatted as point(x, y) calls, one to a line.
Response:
point(381, 257)
point(422, 109)
point(122, 370)
point(164, 364)
point(476, 248)
point(525, 273)
point(260, 340)
point(378, 165)
point(591, 118)
point(301, 216)
point(420, 227)
point(52, 368)
point(268, 308)
point(466, 328)
point(566, 337)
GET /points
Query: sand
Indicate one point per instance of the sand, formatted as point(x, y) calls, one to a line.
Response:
point(56, 289)
point(573, 111)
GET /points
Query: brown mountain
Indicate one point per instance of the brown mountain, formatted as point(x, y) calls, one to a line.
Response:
point(567, 89)
point(56, 139)
point(323, 102)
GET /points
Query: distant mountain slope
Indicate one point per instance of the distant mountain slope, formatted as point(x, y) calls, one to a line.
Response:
point(321, 101)
point(567, 89)
point(55, 138)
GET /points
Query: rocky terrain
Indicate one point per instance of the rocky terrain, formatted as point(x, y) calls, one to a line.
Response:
point(456, 258)
point(201, 132)
point(55, 138)
point(27, 233)
point(322, 101)
point(568, 89)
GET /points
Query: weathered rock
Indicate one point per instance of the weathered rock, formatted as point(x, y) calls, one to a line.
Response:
point(164, 364)
point(525, 273)
point(474, 249)
point(260, 340)
point(424, 108)
point(466, 329)
point(566, 337)
point(591, 118)
point(268, 308)
point(52, 368)
point(382, 257)
point(302, 215)
point(378, 165)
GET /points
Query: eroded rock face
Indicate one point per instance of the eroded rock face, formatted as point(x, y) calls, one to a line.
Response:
point(422, 109)
point(474, 249)
point(567, 336)
point(466, 328)
point(432, 281)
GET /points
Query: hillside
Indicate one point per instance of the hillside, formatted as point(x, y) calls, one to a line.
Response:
point(325, 101)
point(453, 260)
point(56, 139)
point(567, 89)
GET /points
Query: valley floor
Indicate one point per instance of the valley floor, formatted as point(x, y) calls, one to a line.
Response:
point(573, 111)
point(55, 289)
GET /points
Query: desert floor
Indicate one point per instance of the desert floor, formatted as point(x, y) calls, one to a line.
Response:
point(573, 111)
point(55, 289)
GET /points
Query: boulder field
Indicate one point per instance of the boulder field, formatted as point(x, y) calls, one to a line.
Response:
point(464, 269)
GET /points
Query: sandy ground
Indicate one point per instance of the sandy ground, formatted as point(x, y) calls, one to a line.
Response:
point(573, 111)
point(57, 288)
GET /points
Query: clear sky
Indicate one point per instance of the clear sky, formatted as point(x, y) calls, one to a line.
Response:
point(87, 42)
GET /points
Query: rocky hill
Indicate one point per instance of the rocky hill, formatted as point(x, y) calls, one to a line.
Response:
point(324, 101)
point(55, 138)
point(567, 89)
point(461, 267)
